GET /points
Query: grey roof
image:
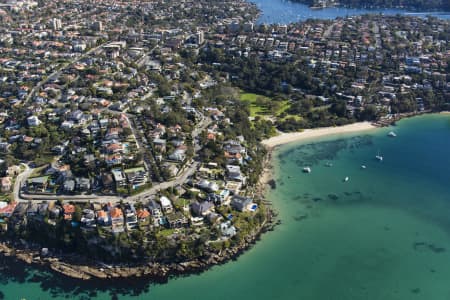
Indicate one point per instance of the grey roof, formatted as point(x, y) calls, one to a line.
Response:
point(201, 208)
point(239, 202)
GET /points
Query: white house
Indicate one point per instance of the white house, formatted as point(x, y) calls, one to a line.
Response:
point(33, 121)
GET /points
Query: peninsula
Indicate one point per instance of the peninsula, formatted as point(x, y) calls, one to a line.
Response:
point(416, 5)
point(133, 133)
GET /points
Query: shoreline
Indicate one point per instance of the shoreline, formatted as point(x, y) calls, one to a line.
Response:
point(291, 137)
point(78, 268)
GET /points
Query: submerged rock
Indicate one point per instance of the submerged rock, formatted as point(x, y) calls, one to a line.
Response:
point(333, 197)
point(300, 217)
point(272, 183)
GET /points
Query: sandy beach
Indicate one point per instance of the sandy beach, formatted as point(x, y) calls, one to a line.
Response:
point(285, 138)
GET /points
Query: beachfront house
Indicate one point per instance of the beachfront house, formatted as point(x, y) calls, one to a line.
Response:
point(240, 203)
point(177, 220)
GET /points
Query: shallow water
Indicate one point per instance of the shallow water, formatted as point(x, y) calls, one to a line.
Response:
point(383, 234)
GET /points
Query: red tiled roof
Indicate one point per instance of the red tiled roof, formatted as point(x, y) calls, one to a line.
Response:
point(69, 208)
point(116, 212)
point(142, 214)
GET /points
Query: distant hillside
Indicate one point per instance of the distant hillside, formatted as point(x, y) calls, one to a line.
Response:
point(412, 4)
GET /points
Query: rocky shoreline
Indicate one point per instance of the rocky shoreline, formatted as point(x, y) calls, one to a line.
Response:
point(77, 267)
point(160, 272)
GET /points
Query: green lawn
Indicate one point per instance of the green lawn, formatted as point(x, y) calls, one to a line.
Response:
point(256, 109)
point(166, 232)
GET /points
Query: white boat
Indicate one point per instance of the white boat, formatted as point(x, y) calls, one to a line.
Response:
point(392, 134)
point(306, 170)
point(379, 157)
point(346, 179)
point(363, 166)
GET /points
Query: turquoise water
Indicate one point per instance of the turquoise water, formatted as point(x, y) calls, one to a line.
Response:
point(284, 12)
point(383, 234)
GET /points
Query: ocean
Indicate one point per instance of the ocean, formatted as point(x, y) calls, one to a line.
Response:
point(383, 234)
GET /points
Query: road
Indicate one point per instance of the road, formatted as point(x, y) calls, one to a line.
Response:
point(179, 180)
point(19, 179)
point(56, 73)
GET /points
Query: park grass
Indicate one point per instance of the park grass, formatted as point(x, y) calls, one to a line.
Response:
point(258, 110)
point(255, 110)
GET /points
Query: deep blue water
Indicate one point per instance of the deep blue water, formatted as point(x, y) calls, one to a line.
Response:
point(283, 12)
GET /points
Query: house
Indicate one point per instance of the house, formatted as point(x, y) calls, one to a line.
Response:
point(113, 159)
point(89, 159)
point(160, 145)
point(4, 147)
point(32, 210)
point(119, 178)
point(155, 209)
point(240, 203)
point(13, 170)
point(234, 174)
point(130, 216)
point(33, 121)
point(166, 204)
point(227, 229)
point(143, 215)
point(69, 210)
point(234, 147)
point(54, 214)
point(6, 210)
point(69, 185)
point(214, 218)
point(117, 220)
point(214, 198)
point(178, 155)
point(88, 219)
point(19, 211)
point(107, 181)
point(5, 184)
point(233, 157)
point(234, 151)
point(177, 220)
point(171, 168)
point(114, 148)
point(103, 218)
point(136, 177)
point(202, 209)
point(83, 184)
point(38, 183)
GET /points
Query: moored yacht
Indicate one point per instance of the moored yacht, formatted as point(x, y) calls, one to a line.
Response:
point(392, 134)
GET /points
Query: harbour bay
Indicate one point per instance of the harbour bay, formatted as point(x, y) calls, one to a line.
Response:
point(284, 12)
point(362, 211)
